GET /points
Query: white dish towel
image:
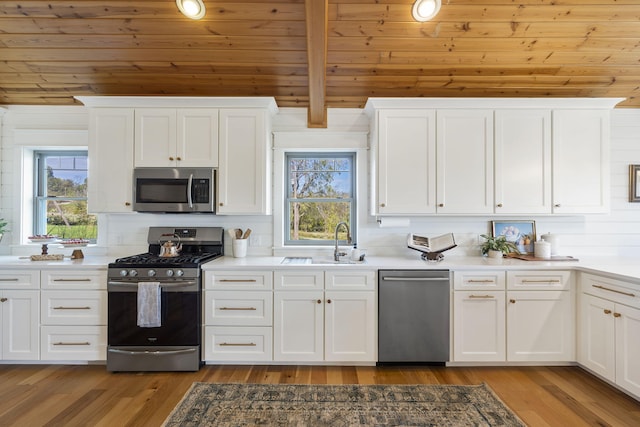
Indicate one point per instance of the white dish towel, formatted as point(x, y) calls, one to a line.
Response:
point(149, 305)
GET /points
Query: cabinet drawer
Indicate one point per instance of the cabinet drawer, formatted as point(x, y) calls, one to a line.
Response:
point(73, 307)
point(73, 343)
point(611, 289)
point(232, 308)
point(75, 279)
point(19, 279)
point(229, 343)
point(539, 280)
point(350, 280)
point(298, 279)
point(240, 280)
point(479, 280)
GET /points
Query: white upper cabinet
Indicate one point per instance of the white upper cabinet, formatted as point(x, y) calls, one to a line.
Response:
point(406, 158)
point(186, 137)
point(245, 158)
point(580, 161)
point(111, 160)
point(522, 161)
point(465, 161)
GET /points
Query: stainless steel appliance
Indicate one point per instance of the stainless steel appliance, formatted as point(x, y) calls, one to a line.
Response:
point(175, 343)
point(413, 316)
point(181, 190)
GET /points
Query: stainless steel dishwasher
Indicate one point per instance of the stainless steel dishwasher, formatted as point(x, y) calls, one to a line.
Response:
point(413, 316)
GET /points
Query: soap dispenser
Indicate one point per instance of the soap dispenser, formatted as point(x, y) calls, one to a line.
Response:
point(355, 253)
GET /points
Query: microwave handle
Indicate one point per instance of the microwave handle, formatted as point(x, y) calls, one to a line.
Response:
point(189, 191)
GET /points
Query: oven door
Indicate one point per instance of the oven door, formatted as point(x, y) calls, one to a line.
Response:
point(180, 309)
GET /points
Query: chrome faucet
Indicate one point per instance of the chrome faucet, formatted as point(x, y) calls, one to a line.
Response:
point(336, 252)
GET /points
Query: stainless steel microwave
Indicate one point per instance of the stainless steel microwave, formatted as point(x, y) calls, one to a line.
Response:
point(179, 190)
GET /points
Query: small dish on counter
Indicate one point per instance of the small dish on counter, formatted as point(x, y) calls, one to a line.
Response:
point(74, 243)
point(43, 239)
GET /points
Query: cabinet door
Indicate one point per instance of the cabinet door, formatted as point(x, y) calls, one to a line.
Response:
point(197, 138)
point(628, 348)
point(298, 326)
point(110, 182)
point(244, 171)
point(597, 338)
point(155, 137)
point(20, 325)
point(522, 161)
point(465, 161)
point(479, 326)
point(350, 319)
point(580, 161)
point(406, 157)
point(540, 326)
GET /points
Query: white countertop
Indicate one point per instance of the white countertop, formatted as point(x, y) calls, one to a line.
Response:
point(24, 263)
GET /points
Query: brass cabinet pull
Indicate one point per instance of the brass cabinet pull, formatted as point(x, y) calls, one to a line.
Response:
point(441, 205)
point(127, 203)
point(614, 290)
point(238, 280)
point(171, 158)
point(4, 299)
point(229, 344)
point(617, 314)
point(481, 281)
point(481, 296)
point(382, 205)
point(499, 205)
point(13, 279)
point(71, 308)
point(238, 308)
point(221, 204)
point(512, 301)
point(607, 312)
point(72, 343)
point(541, 281)
point(319, 301)
point(557, 205)
point(71, 280)
point(178, 158)
point(328, 301)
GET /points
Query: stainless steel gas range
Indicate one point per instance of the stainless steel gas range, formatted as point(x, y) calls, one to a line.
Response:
point(155, 301)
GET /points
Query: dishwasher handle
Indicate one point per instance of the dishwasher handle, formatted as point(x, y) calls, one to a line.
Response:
point(414, 279)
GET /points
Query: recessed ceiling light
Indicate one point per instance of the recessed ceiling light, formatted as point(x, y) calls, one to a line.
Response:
point(193, 9)
point(424, 10)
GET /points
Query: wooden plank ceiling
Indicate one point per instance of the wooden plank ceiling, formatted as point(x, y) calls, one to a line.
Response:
point(53, 50)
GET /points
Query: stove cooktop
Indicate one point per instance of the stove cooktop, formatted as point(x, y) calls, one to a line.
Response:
point(150, 260)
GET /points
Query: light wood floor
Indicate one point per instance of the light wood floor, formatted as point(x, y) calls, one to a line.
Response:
point(57, 395)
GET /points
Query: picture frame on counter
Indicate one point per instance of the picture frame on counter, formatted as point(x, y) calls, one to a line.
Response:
point(521, 233)
point(634, 183)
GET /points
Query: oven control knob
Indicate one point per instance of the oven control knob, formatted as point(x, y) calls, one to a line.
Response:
point(133, 273)
point(151, 273)
point(179, 273)
point(169, 273)
point(123, 273)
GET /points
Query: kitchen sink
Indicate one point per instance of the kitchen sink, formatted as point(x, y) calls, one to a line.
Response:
point(291, 260)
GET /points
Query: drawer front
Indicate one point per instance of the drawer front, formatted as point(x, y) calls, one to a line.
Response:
point(490, 280)
point(350, 280)
point(82, 343)
point(238, 308)
point(74, 279)
point(298, 280)
point(229, 343)
point(19, 279)
point(73, 307)
point(539, 280)
point(611, 289)
point(240, 280)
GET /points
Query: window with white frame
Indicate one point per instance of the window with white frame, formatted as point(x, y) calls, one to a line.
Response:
point(60, 195)
point(321, 193)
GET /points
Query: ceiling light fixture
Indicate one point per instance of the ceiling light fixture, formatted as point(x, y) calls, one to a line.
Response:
point(424, 10)
point(193, 9)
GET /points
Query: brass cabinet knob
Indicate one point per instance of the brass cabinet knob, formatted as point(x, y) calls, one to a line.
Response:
point(441, 205)
point(607, 312)
point(3, 299)
point(617, 314)
point(557, 205)
point(171, 158)
point(127, 203)
point(221, 204)
point(382, 205)
point(328, 301)
point(499, 205)
point(178, 158)
point(319, 301)
point(512, 301)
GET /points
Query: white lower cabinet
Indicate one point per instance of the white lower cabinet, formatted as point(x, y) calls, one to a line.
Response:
point(609, 331)
point(491, 324)
point(20, 326)
point(325, 325)
point(73, 313)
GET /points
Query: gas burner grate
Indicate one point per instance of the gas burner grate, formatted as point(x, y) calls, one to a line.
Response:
point(152, 259)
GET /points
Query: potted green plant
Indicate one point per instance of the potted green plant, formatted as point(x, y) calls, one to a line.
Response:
point(496, 247)
point(3, 227)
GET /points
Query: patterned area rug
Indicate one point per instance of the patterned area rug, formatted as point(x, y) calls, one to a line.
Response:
point(208, 404)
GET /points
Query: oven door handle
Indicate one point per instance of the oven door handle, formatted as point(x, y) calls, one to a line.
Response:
point(153, 352)
point(166, 285)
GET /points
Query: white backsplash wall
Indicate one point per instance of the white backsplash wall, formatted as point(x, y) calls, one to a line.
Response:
point(617, 233)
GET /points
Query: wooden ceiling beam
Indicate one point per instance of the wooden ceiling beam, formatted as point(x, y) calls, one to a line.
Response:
point(316, 12)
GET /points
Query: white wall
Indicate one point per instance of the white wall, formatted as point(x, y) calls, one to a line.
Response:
point(617, 233)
